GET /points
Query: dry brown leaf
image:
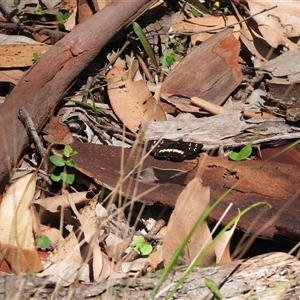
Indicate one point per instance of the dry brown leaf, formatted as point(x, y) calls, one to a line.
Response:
point(16, 234)
point(20, 55)
point(91, 229)
point(57, 133)
point(11, 76)
point(191, 203)
point(131, 100)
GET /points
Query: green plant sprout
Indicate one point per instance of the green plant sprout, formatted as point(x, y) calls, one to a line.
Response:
point(43, 242)
point(145, 43)
point(244, 153)
point(169, 57)
point(39, 10)
point(141, 246)
point(65, 161)
point(62, 17)
point(173, 54)
point(211, 285)
point(16, 3)
point(35, 56)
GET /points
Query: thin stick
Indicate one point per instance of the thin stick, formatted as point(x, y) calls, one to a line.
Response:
point(26, 119)
point(215, 109)
point(225, 27)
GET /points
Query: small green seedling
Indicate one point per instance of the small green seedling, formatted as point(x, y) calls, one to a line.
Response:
point(65, 161)
point(39, 10)
point(16, 3)
point(195, 12)
point(169, 57)
point(35, 56)
point(43, 242)
point(62, 17)
point(141, 246)
point(211, 285)
point(177, 48)
point(243, 154)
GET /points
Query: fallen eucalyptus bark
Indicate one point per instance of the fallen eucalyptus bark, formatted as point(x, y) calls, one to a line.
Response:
point(43, 86)
point(273, 276)
point(229, 130)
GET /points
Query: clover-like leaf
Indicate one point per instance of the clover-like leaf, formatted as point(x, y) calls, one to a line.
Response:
point(57, 160)
point(141, 246)
point(43, 242)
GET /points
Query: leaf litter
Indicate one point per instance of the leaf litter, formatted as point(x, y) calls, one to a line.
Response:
point(90, 236)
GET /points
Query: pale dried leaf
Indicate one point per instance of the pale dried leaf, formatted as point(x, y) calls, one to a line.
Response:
point(191, 203)
point(222, 246)
point(68, 250)
point(65, 273)
point(16, 233)
point(11, 76)
point(91, 229)
point(284, 17)
point(134, 266)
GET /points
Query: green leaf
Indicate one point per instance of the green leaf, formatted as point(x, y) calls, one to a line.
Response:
point(70, 163)
point(145, 43)
point(36, 57)
point(195, 12)
point(146, 249)
point(69, 151)
point(243, 154)
point(55, 178)
point(213, 288)
point(140, 246)
point(16, 3)
point(176, 57)
point(67, 178)
point(57, 160)
point(60, 16)
point(43, 242)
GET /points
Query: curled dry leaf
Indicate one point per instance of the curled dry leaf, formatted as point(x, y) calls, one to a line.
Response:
point(131, 100)
point(191, 203)
point(278, 24)
point(16, 236)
